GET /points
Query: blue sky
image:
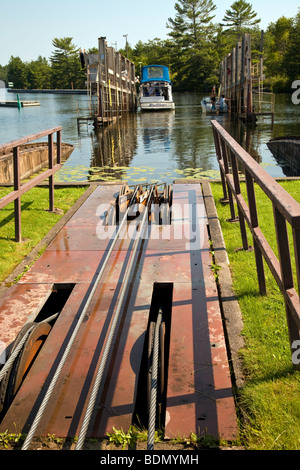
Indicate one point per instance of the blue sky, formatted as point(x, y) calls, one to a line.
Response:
point(28, 27)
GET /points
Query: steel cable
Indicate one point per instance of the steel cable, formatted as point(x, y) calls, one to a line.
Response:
point(154, 381)
point(50, 389)
point(16, 351)
point(14, 354)
point(99, 376)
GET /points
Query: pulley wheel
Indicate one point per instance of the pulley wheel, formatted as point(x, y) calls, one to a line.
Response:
point(22, 363)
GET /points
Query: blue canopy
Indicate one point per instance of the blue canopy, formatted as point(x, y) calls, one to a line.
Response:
point(154, 73)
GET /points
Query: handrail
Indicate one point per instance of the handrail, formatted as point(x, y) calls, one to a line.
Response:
point(231, 156)
point(19, 189)
point(24, 140)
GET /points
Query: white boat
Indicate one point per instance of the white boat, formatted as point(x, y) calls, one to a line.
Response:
point(155, 91)
point(208, 107)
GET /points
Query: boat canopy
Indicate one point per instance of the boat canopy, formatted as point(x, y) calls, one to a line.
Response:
point(153, 73)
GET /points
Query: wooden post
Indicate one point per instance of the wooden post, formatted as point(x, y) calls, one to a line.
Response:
point(58, 147)
point(254, 224)
point(51, 178)
point(226, 167)
point(237, 188)
point(233, 80)
point(17, 202)
point(286, 270)
point(219, 157)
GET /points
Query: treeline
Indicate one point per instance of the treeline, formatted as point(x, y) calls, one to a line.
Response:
point(195, 47)
point(62, 71)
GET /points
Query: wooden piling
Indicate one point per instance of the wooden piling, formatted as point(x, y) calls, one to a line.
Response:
point(238, 75)
point(110, 84)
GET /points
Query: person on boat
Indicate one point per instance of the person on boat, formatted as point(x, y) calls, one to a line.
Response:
point(213, 99)
point(222, 102)
point(150, 90)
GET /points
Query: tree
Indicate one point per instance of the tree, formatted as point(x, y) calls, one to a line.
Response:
point(191, 21)
point(192, 32)
point(39, 74)
point(291, 59)
point(3, 73)
point(17, 72)
point(240, 17)
point(277, 38)
point(66, 69)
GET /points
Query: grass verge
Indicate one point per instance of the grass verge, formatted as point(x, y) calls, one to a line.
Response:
point(36, 222)
point(270, 398)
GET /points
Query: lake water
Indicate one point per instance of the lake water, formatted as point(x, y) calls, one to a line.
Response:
point(144, 147)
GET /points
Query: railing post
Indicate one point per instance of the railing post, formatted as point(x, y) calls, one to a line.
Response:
point(17, 201)
point(296, 238)
point(226, 167)
point(237, 188)
point(286, 270)
point(51, 178)
point(58, 147)
point(219, 157)
point(254, 224)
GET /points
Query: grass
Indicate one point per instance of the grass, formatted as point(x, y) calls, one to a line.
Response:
point(270, 398)
point(36, 222)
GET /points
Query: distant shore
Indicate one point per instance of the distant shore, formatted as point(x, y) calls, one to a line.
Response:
point(69, 91)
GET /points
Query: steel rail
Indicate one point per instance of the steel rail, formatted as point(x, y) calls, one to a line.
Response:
point(54, 380)
point(106, 351)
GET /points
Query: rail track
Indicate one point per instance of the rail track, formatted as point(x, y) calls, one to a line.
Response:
point(116, 340)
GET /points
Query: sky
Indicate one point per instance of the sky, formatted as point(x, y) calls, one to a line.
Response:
point(28, 27)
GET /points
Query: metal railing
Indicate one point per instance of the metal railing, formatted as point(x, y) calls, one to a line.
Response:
point(232, 159)
point(19, 189)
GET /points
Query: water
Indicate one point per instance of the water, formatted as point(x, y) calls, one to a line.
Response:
point(144, 147)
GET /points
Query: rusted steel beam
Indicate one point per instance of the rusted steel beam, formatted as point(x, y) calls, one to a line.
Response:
point(237, 188)
point(17, 201)
point(29, 185)
point(51, 180)
point(24, 140)
point(278, 195)
point(285, 209)
point(254, 224)
point(19, 189)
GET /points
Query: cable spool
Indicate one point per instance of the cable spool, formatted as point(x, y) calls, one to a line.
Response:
point(37, 334)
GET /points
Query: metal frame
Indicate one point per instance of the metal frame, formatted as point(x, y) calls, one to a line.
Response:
point(19, 189)
point(231, 157)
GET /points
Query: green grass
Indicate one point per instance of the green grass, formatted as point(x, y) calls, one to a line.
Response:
point(270, 399)
point(36, 222)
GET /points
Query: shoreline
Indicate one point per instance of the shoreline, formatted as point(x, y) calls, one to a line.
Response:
point(60, 91)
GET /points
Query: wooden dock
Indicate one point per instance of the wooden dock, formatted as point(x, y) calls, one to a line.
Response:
point(241, 81)
point(110, 84)
point(15, 103)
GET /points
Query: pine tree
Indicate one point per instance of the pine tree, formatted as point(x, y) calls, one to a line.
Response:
point(17, 72)
point(292, 55)
point(239, 17)
point(39, 74)
point(192, 57)
point(66, 69)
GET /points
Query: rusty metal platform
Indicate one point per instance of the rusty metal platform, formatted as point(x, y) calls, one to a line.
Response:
point(199, 390)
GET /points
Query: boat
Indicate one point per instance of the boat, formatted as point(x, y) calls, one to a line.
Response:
point(155, 91)
point(286, 150)
point(208, 107)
